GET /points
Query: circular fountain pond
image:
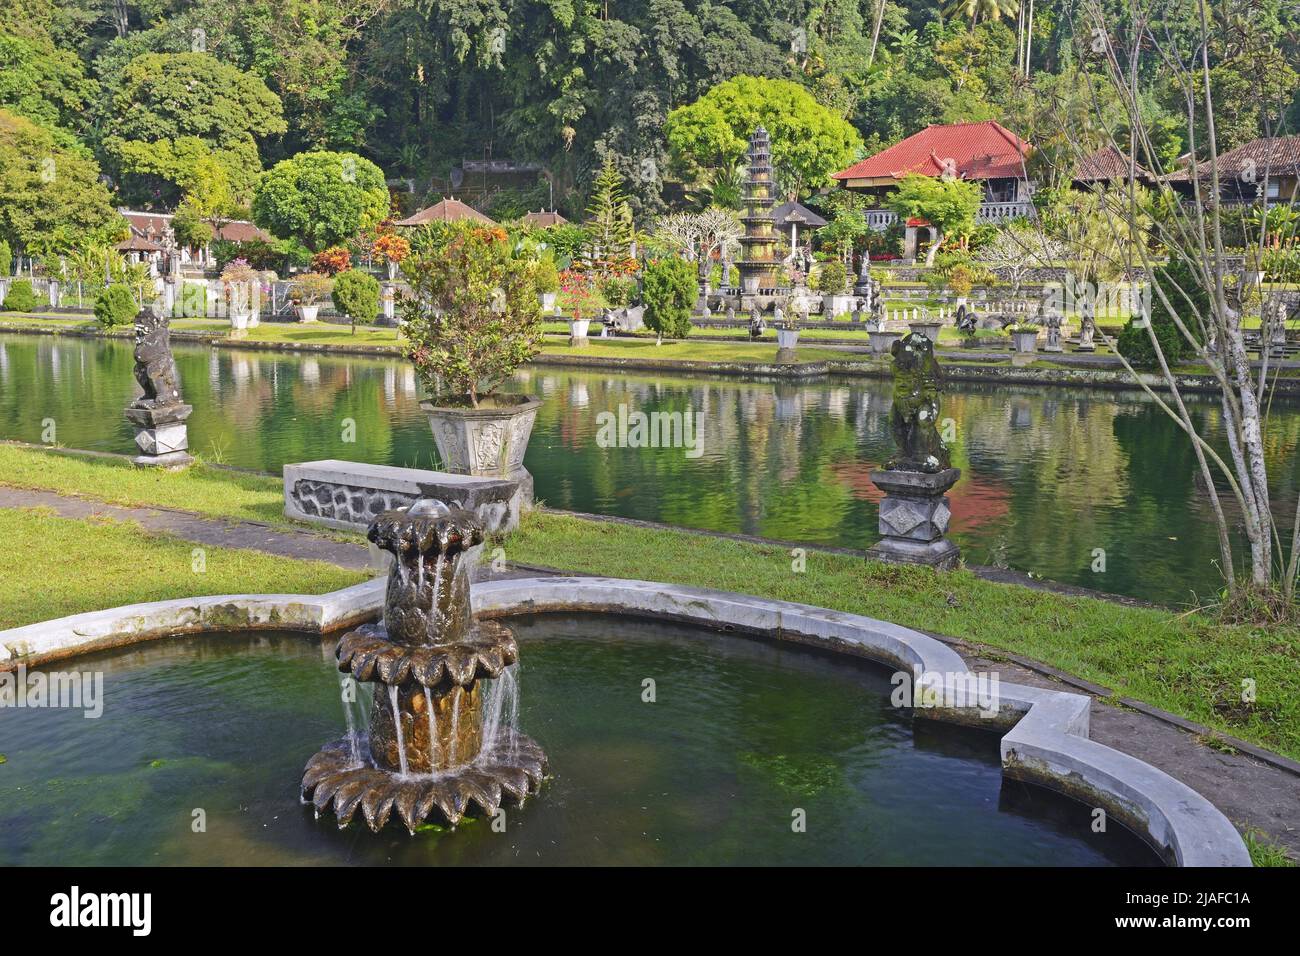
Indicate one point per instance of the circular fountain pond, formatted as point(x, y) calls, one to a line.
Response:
point(741, 735)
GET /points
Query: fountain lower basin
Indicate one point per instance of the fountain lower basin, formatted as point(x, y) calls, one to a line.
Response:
point(1044, 732)
point(742, 733)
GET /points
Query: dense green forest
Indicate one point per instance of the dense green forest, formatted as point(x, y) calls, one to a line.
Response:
point(143, 103)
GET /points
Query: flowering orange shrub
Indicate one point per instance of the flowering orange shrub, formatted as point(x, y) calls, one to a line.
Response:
point(331, 261)
point(391, 247)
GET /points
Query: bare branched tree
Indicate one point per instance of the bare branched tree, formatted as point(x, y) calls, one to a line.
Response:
point(1181, 242)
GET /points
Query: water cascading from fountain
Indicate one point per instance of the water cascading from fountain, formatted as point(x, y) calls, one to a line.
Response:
point(442, 732)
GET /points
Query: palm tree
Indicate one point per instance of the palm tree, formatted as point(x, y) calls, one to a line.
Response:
point(978, 10)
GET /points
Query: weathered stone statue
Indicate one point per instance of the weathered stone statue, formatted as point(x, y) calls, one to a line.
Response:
point(155, 367)
point(1087, 325)
point(914, 418)
point(159, 414)
point(966, 321)
point(914, 512)
point(1052, 321)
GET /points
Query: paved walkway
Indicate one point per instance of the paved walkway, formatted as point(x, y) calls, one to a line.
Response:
point(1252, 793)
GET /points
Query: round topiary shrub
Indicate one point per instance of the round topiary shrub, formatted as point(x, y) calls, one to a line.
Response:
point(21, 298)
point(832, 277)
point(356, 295)
point(669, 290)
point(115, 306)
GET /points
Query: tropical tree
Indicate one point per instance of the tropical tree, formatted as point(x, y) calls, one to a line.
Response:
point(321, 198)
point(809, 141)
point(609, 220)
point(50, 198)
point(167, 109)
point(699, 236)
point(947, 204)
point(1017, 249)
point(1199, 291)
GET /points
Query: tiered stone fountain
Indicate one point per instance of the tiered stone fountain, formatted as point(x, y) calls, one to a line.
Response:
point(430, 752)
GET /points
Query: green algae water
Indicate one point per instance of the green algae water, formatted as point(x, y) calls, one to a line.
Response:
point(741, 737)
point(1052, 478)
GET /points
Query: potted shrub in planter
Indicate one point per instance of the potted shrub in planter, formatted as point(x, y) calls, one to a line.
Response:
point(1024, 337)
point(548, 284)
point(307, 291)
point(471, 320)
point(832, 279)
point(579, 298)
point(242, 287)
point(391, 249)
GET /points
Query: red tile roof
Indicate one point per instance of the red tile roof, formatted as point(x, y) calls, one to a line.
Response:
point(985, 150)
point(1272, 156)
point(445, 210)
point(543, 219)
point(1107, 164)
point(152, 225)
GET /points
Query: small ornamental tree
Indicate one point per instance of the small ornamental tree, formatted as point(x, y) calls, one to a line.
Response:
point(1183, 292)
point(115, 306)
point(320, 197)
point(391, 249)
point(331, 261)
point(669, 290)
point(310, 287)
point(949, 205)
point(473, 315)
point(579, 296)
point(356, 295)
point(832, 277)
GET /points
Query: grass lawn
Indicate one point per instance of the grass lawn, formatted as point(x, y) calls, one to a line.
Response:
point(1184, 663)
point(66, 566)
point(206, 491)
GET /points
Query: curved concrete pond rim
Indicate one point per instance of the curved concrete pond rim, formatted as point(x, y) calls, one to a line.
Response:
point(1045, 737)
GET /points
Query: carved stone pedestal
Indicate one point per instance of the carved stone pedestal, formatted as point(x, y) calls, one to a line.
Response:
point(161, 435)
point(914, 518)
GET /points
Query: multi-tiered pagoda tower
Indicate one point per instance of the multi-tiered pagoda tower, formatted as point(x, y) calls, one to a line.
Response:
point(759, 267)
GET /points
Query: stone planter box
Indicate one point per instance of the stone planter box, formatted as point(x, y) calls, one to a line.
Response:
point(882, 341)
point(929, 329)
point(578, 331)
point(488, 441)
point(547, 300)
point(240, 320)
point(833, 305)
point(975, 342)
point(307, 313)
point(348, 495)
point(1024, 341)
point(786, 340)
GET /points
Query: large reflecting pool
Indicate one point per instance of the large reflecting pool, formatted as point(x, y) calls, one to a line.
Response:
point(198, 753)
point(1051, 477)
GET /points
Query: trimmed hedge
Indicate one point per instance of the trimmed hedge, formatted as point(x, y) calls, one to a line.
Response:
point(115, 306)
point(20, 298)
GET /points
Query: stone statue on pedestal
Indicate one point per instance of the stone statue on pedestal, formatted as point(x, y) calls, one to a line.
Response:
point(159, 414)
point(914, 513)
point(914, 417)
